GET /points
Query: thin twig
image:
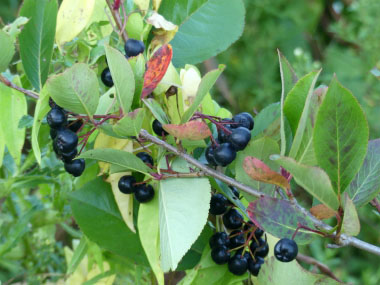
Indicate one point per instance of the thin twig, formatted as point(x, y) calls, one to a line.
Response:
point(22, 90)
point(323, 268)
point(342, 240)
point(119, 24)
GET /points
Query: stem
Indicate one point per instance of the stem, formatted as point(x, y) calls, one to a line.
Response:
point(22, 90)
point(116, 17)
point(344, 240)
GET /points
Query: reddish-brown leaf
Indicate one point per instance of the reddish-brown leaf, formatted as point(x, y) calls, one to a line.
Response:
point(192, 130)
point(259, 171)
point(322, 212)
point(156, 69)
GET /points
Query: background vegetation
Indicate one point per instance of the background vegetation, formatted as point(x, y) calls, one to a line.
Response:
point(340, 36)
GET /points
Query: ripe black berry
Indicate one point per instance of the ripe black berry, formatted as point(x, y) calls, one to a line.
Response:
point(146, 158)
point(158, 129)
point(219, 239)
point(144, 193)
point(222, 134)
point(232, 219)
point(218, 204)
point(126, 184)
point(133, 47)
point(254, 266)
point(238, 264)
point(56, 118)
point(224, 154)
point(259, 249)
point(240, 138)
point(107, 77)
point(220, 254)
point(244, 120)
point(286, 250)
point(209, 154)
point(259, 233)
point(69, 156)
point(236, 239)
point(75, 125)
point(66, 141)
point(75, 167)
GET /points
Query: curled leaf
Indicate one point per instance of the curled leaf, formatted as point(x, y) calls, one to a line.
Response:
point(192, 130)
point(159, 22)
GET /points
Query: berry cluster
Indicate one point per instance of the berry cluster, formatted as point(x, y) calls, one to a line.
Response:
point(234, 135)
point(65, 139)
point(128, 184)
point(132, 48)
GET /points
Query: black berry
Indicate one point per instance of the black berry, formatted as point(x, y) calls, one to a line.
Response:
point(146, 158)
point(235, 192)
point(133, 47)
point(244, 120)
point(158, 129)
point(144, 193)
point(224, 154)
point(286, 250)
point(254, 266)
point(75, 167)
point(66, 141)
point(126, 184)
point(220, 254)
point(75, 125)
point(209, 154)
point(236, 239)
point(69, 156)
point(56, 118)
point(259, 233)
point(218, 204)
point(219, 239)
point(232, 219)
point(259, 248)
point(238, 264)
point(107, 77)
point(222, 134)
point(240, 138)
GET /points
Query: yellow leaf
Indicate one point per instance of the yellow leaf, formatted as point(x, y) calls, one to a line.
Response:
point(156, 4)
point(73, 17)
point(142, 4)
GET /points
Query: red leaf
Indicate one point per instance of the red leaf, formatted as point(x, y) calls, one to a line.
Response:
point(157, 66)
point(259, 171)
point(192, 130)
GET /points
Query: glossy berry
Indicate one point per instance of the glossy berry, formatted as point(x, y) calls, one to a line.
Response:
point(144, 193)
point(240, 138)
point(69, 156)
point(263, 250)
point(254, 266)
point(74, 126)
point(56, 118)
point(259, 233)
point(244, 120)
point(286, 250)
point(218, 204)
point(219, 239)
point(238, 264)
point(259, 249)
point(224, 154)
point(133, 47)
point(237, 238)
point(146, 158)
point(66, 141)
point(232, 219)
point(209, 154)
point(107, 77)
point(222, 134)
point(126, 184)
point(220, 254)
point(75, 167)
point(158, 129)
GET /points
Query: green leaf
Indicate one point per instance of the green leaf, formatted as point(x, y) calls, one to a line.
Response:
point(184, 205)
point(156, 110)
point(289, 75)
point(12, 108)
point(366, 184)
point(131, 124)
point(206, 27)
point(37, 39)
point(78, 254)
point(313, 179)
point(340, 136)
point(265, 118)
point(2, 147)
point(42, 108)
point(148, 225)
point(138, 66)
point(123, 159)
point(351, 223)
point(7, 50)
point(280, 218)
point(76, 89)
point(122, 76)
point(97, 215)
point(274, 272)
point(204, 87)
